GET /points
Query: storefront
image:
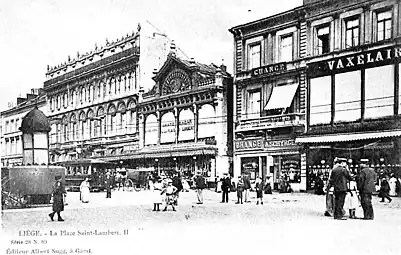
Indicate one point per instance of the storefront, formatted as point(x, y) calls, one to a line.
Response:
point(354, 113)
point(275, 159)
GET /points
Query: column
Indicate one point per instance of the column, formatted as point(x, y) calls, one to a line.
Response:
point(177, 125)
point(303, 183)
point(195, 108)
point(141, 131)
point(158, 116)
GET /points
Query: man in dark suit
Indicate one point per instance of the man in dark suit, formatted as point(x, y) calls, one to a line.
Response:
point(225, 187)
point(178, 184)
point(339, 180)
point(247, 187)
point(366, 182)
point(108, 184)
point(200, 185)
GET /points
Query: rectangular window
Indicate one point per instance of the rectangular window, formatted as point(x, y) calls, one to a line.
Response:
point(352, 33)
point(253, 110)
point(6, 127)
point(286, 48)
point(254, 56)
point(384, 25)
point(320, 100)
point(323, 40)
point(348, 96)
point(379, 91)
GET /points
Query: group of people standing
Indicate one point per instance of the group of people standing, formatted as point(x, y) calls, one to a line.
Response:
point(352, 189)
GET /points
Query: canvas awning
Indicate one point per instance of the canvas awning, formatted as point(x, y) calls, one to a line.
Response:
point(347, 137)
point(282, 97)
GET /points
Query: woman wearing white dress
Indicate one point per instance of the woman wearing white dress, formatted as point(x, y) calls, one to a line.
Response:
point(351, 199)
point(84, 188)
point(393, 186)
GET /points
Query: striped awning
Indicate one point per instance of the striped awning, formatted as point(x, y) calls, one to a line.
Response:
point(347, 137)
point(281, 97)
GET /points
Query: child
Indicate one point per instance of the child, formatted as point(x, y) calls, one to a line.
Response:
point(157, 197)
point(259, 191)
point(240, 189)
point(170, 191)
point(352, 199)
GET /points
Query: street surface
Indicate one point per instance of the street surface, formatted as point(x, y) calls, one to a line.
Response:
point(285, 224)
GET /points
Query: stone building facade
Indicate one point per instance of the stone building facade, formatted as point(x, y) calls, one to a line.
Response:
point(353, 54)
point(11, 119)
point(270, 94)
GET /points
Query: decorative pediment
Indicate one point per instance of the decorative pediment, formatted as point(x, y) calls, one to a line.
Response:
point(176, 81)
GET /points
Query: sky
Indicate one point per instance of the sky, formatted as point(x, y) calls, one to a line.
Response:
point(37, 33)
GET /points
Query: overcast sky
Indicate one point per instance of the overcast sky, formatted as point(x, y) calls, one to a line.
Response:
point(37, 33)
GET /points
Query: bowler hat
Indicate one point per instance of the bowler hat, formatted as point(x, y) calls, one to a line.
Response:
point(57, 177)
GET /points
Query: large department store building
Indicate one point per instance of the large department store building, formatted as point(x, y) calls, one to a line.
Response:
point(184, 121)
point(92, 99)
point(270, 92)
point(353, 96)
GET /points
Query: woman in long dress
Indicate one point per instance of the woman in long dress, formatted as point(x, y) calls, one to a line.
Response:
point(85, 190)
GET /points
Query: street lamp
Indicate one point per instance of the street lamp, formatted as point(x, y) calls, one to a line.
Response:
point(157, 163)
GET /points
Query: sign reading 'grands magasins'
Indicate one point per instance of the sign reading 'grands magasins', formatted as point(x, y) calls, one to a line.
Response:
point(261, 144)
point(356, 61)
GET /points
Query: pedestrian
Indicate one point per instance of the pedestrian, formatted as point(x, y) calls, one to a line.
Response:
point(366, 183)
point(109, 184)
point(268, 187)
point(352, 201)
point(338, 179)
point(259, 191)
point(185, 185)
point(169, 191)
point(398, 187)
point(84, 189)
point(247, 187)
point(319, 185)
point(393, 186)
point(157, 196)
point(240, 189)
point(178, 184)
point(200, 185)
point(225, 187)
point(58, 195)
point(384, 191)
point(329, 202)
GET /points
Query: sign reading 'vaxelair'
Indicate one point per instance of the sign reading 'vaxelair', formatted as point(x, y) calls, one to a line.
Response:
point(356, 61)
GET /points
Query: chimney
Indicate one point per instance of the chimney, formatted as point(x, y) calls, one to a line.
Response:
point(30, 96)
point(20, 100)
point(173, 50)
point(223, 67)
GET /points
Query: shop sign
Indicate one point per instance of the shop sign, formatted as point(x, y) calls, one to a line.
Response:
point(131, 148)
point(167, 128)
point(206, 121)
point(248, 144)
point(356, 61)
point(269, 69)
point(186, 125)
point(262, 144)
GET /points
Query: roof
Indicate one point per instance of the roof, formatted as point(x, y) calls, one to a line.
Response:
point(35, 121)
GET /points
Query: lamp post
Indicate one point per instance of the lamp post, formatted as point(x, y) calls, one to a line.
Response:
point(157, 165)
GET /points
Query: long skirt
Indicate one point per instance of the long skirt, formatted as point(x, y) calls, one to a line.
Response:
point(58, 203)
point(85, 195)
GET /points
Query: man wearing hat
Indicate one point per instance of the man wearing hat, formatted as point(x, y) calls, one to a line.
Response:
point(58, 198)
point(366, 182)
point(109, 184)
point(339, 180)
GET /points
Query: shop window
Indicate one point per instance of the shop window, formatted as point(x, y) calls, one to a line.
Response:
point(320, 100)
point(384, 25)
point(286, 48)
point(348, 96)
point(254, 56)
point(250, 167)
point(352, 33)
point(253, 110)
point(291, 169)
point(323, 40)
point(379, 91)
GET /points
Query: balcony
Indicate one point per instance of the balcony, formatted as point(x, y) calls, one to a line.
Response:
point(268, 122)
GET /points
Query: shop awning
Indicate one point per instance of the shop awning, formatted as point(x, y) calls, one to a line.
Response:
point(347, 137)
point(282, 97)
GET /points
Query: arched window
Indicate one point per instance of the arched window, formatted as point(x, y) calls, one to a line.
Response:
point(90, 123)
point(111, 113)
point(100, 123)
point(72, 97)
point(73, 123)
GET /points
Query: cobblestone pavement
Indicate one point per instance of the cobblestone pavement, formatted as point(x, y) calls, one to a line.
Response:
point(286, 223)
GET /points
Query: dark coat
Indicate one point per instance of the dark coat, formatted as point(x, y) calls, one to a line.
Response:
point(385, 187)
point(226, 183)
point(366, 180)
point(339, 179)
point(109, 183)
point(247, 182)
point(58, 196)
point(200, 182)
point(177, 183)
point(240, 186)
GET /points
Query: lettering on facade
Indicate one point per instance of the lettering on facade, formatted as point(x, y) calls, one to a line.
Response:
point(356, 61)
point(262, 144)
point(269, 69)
